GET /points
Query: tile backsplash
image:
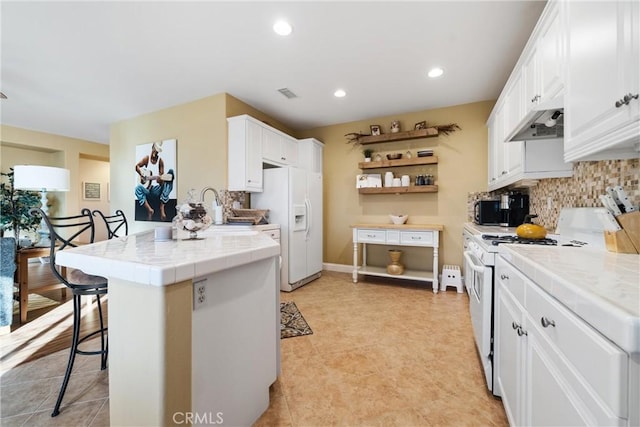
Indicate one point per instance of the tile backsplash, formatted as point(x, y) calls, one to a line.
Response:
point(589, 180)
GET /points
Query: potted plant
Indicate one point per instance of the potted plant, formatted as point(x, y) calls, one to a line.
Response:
point(14, 208)
point(367, 154)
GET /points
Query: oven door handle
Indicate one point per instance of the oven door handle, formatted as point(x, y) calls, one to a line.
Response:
point(473, 265)
point(478, 269)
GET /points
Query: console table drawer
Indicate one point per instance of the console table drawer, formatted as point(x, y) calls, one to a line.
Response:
point(416, 238)
point(372, 236)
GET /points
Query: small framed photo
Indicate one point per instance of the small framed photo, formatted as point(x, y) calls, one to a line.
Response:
point(91, 191)
point(421, 125)
point(375, 130)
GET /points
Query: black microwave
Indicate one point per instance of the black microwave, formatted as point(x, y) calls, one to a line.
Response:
point(487, 212)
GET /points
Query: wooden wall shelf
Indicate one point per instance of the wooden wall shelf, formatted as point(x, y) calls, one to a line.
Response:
point(400, 136)
point(428, 160)
point(399, 190)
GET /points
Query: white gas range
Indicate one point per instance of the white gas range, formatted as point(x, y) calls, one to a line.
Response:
point(580, 227)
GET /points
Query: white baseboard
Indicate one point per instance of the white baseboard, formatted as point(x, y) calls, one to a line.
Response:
point(340, 268)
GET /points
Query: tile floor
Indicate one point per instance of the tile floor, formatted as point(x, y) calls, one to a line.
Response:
point(381, 354)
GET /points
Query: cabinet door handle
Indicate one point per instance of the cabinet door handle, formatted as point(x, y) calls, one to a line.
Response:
point(504, 277)
point(514, 325)
point(547, 322)
point(626, 99)
point(521, 332)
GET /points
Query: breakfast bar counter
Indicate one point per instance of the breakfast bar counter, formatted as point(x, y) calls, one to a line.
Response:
point(193, 325)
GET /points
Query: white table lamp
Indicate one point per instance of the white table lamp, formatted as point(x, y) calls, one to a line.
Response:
point(43, 179)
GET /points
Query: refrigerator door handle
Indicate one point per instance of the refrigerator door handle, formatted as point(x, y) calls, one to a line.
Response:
point(308, 205)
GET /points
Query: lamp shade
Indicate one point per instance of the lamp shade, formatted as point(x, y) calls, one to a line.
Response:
point(38, 178)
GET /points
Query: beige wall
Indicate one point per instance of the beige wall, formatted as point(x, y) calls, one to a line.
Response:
point(96, 171)
point(22, 146)
point(200, 128)
point(461, 168)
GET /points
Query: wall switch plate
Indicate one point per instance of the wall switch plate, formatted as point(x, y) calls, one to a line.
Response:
point(199, 293)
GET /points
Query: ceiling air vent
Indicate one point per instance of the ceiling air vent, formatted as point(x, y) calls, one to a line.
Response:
point(287, 92)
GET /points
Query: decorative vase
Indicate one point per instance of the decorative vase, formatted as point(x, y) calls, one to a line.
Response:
point(395, 267)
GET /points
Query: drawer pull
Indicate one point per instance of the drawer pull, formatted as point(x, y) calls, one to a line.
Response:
point(514, 325)
point(504, 277)
point(521, 332)
point(416, 238)
point(546, 322)
point(626, 99)
point(371, 236)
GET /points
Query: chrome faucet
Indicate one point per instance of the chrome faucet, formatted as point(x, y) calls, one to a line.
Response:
point(204, 190)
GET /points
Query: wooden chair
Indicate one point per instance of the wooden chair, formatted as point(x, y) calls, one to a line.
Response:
point(116, 224)
point(63, 232)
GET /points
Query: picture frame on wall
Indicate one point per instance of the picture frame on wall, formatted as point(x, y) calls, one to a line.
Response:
point(421, 125)
point(156, 181)
point(375, 130)
point(91, 191)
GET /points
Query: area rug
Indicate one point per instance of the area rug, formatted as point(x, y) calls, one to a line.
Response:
point(292, 324)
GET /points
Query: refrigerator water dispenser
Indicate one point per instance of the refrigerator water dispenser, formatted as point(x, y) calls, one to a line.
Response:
point(299, 217)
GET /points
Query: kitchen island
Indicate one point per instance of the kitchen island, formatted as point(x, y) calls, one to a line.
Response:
point(194, 328)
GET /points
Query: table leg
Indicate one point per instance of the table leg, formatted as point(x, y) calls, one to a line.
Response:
point(435, 270)
point(23, 287)
point(355, 262)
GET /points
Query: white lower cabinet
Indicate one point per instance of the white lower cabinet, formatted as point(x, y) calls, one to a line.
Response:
point(553, 368)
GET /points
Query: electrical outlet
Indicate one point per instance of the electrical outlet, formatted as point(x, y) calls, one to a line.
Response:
point(549, 203)
point(199, 293)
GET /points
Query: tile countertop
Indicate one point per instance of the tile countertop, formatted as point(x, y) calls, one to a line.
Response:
point(139, 258)
point(601, 287)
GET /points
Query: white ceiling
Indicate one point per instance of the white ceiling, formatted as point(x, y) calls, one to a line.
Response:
point(73, 68)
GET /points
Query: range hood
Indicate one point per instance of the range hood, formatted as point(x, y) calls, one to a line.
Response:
point(544, 121)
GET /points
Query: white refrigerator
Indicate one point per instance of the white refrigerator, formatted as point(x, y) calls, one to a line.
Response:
point(294, 199)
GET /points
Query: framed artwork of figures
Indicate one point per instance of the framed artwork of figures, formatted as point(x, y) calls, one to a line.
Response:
point(156, 181)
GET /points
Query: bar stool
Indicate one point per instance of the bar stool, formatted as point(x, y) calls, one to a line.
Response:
point(114, 223)
point(62, 232)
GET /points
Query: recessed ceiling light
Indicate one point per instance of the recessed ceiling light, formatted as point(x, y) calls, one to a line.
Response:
point(339, 93)
point(435, 72)
point(282, 28)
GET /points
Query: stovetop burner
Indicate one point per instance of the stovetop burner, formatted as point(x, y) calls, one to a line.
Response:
point(496, 240)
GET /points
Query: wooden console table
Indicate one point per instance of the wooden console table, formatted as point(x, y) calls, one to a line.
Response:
point(419, 235)
point(22, 276)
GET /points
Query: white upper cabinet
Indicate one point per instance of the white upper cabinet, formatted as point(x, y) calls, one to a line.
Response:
point(310, 152)
point(545, 69)
point(496, 147)
point(252, 143)
point(244, 166)
point(278, 148)
point(539, 73)
point(602, 113)
point(537, 79)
